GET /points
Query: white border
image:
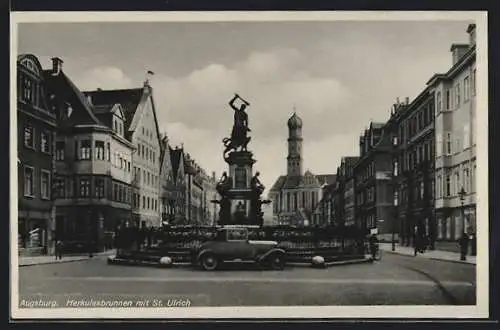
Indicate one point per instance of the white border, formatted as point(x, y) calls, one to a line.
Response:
point(481, 310)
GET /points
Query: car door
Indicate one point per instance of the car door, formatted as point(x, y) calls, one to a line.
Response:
point(239, 246)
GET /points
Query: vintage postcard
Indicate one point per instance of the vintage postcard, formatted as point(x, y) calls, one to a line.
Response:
point(249, 165)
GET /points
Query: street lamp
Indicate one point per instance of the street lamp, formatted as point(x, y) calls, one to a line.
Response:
point(462, 194)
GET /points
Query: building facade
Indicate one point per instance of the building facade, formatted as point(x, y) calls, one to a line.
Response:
point(176, 185)
point(455, 135)
point(349, 209)
point(344, 205)
point(36, 127)
point(326, 208)
point(373, 187)
point(200, 190)
point(168, 191)
point(210, 194)
point(412, 127)
point(93, 164)
point(140, 127)
point(295, 196)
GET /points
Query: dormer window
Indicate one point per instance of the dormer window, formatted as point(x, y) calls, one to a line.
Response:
point(118, 118)
point(69, 110)
point(29, 87)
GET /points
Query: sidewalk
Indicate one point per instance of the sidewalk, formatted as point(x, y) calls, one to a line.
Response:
point(41, 260)
point(436, 254)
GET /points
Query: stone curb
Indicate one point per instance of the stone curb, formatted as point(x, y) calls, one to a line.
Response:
point(54, 262)
point(431, 258)
point(81, 258)
point(187, 264)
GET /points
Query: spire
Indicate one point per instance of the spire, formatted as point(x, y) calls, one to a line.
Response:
point(294, 121)
point(149, 74)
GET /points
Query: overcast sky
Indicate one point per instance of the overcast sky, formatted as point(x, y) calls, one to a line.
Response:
point(338, 75)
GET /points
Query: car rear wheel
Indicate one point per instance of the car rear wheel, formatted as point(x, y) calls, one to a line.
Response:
point(209, 261)
point(276, 261)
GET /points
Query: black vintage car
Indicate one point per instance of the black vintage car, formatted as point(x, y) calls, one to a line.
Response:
point(233, 245)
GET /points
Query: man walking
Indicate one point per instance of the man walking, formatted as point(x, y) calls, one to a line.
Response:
point(464, 246)
point(373, 242)
point(58, 248)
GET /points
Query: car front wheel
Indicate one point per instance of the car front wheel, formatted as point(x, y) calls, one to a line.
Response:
point(209, 261)
point(276, 261)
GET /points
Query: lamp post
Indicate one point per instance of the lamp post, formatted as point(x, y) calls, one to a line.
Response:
point(462, 194)
point(393, 248)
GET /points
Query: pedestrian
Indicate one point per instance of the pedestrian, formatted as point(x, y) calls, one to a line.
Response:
point(473, 245)
point(59, 249)
point(416, 240)
point(464, 246)
point(424, 243)
point(373, 241)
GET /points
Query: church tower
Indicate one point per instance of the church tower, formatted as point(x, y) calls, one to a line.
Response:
point(294, 159)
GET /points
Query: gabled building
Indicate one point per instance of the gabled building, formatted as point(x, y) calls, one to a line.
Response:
point(296, 195)
point(36, 127)
point(178, 188)
point(140, 127)
point(167, 184)
point(173, 184)
point(93, 164)
point(373, 186)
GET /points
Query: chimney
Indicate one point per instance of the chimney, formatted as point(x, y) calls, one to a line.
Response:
point(457, 51)
point(397, 100)
point(56, 65)
point(407, 100)
point(471, 30)
point(361, 145)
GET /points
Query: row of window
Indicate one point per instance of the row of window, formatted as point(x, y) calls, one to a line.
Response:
point(83, 151)
point(148, 203)
point(367, 172)
point(292, 202)
point(415, 124)
point(146, 153)
point(420, 188)
point(453, 97)
point(36, 182)
point(29, 89)
point(412, 158)
point(30, 141)
point(454, 144)
point(445, 227)
point(451, 184)
point(173, 207)
point(147, 133)
point(146, 177)
point(87, 187)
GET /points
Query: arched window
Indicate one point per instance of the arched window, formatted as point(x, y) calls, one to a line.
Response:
point(29, 82)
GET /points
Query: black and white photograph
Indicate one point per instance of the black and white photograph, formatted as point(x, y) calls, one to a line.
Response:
point(226, 165)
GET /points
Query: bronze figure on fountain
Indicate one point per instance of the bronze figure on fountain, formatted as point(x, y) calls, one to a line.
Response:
point(239, 139)
point(240, 190)
point(257, 186)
